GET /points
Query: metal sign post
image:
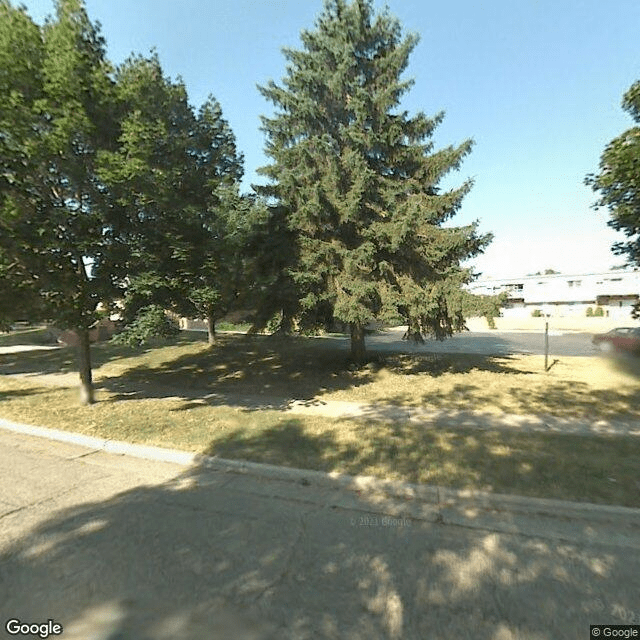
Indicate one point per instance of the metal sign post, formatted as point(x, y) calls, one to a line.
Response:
point(546, 346)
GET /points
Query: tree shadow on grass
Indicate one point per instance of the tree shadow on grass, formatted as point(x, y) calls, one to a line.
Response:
point(536, 464)
point(438, 364)
point(7, 394)
point(253, 370)
point(626, 363)
point(568, 399)
point(195, 555)
point(287, 445)
point(260, 371)
point(577, 400)
point(64, 359)
point(61, 360)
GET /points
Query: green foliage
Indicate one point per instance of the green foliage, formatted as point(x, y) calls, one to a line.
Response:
point(176, 172)
point(354, 180)
point(488, 307)
point(57, 115)
point(150, 323)
point(598, 312)
point(617, 183)
point(536, 313)
point(53, 209)
point(589, 312)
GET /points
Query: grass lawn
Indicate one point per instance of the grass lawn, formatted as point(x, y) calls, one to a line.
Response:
point(29, 335)
point(157, 396)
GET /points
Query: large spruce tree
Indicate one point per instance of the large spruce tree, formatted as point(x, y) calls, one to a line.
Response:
point(357, 179)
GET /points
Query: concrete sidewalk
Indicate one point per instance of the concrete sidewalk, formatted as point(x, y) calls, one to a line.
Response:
point(117, 546)
point(433, 419)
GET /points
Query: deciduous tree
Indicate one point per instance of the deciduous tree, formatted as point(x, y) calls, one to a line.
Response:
point(618, 182)
point(176, 173)
point(57, 113)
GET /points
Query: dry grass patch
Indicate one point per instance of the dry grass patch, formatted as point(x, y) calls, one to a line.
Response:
point(594, 469)
point(574, 387)
point(311, 369)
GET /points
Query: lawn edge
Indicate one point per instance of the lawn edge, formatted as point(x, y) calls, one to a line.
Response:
point(443, 498)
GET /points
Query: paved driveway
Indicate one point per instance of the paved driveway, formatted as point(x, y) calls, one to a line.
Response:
point(117, 548)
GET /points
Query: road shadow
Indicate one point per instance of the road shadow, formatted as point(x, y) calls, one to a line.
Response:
point(210, 556)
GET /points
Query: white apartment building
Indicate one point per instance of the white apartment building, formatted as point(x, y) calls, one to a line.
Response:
point(561, 295)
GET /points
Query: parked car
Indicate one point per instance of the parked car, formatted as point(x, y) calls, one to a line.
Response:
point(620, 339)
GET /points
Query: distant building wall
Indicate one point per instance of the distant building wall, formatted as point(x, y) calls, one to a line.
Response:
point(101, 332)
point(566, 295)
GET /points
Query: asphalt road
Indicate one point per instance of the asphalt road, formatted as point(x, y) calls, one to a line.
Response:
point(489, 343)
point(117, 548)
point(486, 343)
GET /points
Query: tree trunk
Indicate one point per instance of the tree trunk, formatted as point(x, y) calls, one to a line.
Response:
point(84, 367)
point(358, 349)
point(211, 330)
point(413, 332)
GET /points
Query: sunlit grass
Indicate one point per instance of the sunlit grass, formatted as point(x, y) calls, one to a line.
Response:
point(182, 395)
point(304, 369)
point(594, 469)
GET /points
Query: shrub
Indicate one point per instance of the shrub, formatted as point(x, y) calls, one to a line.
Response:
point(589, 312)
point(150, 322)
point(536, 313)
point(599, 312)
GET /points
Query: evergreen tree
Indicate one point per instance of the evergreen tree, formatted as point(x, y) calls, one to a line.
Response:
point(57, 116)
point(357, 181)
point(273, 251)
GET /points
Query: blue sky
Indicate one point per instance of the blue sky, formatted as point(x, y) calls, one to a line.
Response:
point(536, 83)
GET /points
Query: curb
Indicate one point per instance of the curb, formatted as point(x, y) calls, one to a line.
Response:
point(440, 497)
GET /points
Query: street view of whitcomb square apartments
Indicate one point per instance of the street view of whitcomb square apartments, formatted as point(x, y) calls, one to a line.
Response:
point(330, 282)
